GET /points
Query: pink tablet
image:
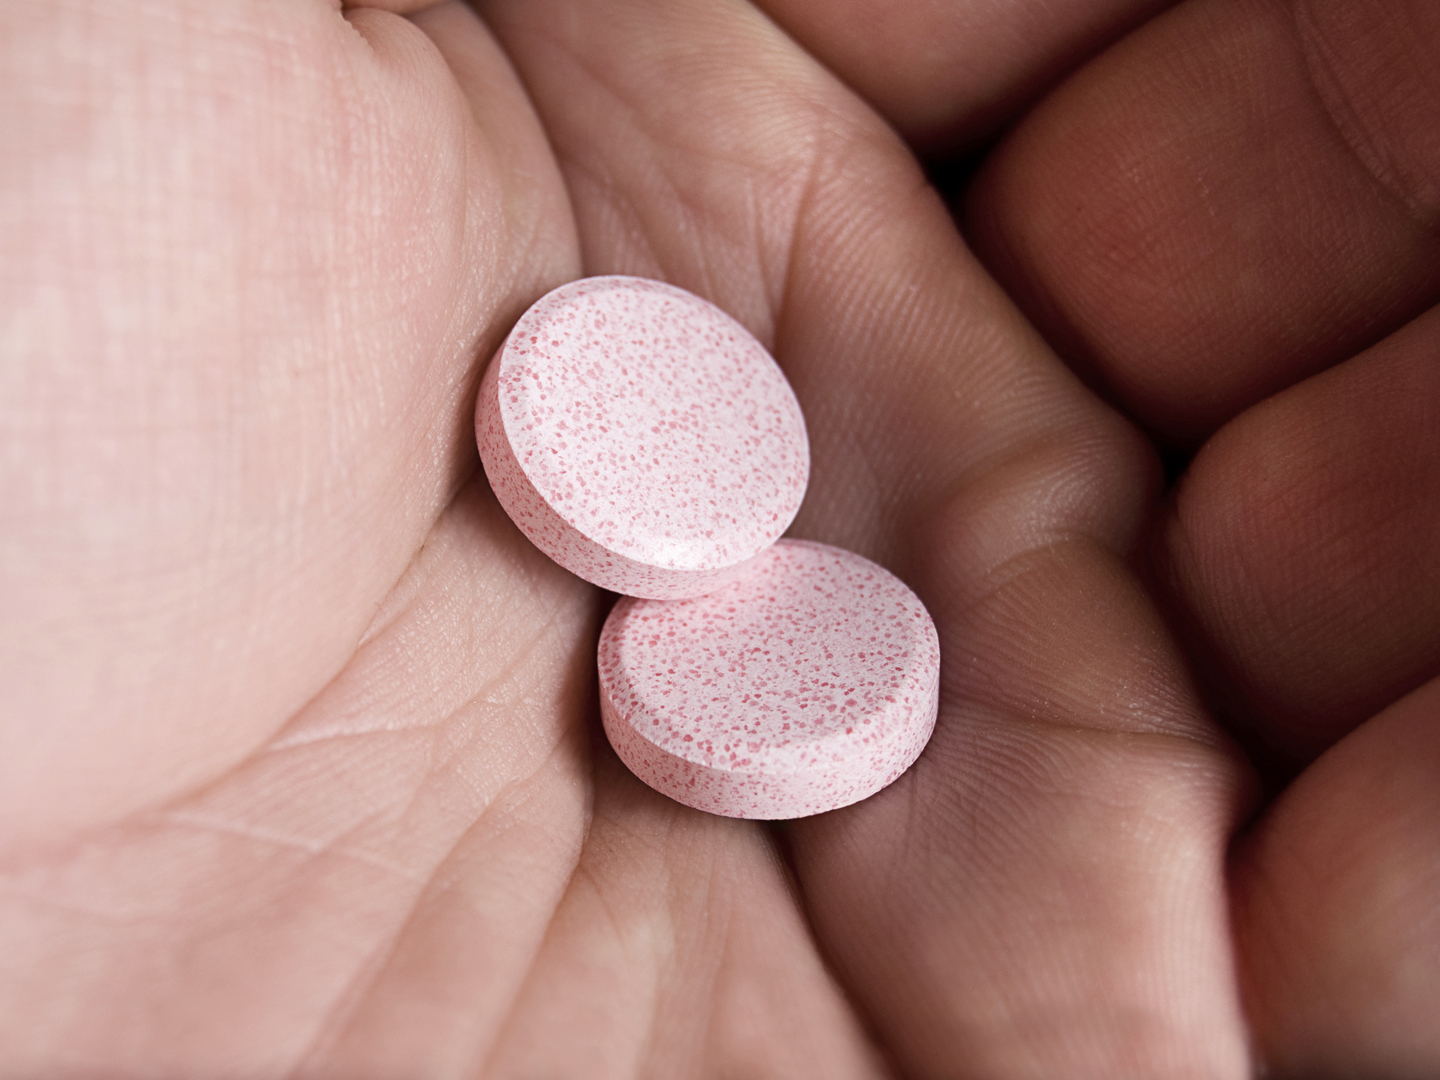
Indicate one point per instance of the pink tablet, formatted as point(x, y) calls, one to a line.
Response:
point(807, 685)
point(641, 438)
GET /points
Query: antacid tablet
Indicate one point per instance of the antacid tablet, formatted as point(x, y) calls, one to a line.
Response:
point(641, 438)
point(807, 685)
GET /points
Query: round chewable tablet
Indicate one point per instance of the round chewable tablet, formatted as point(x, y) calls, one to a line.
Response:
point(807, 685)
point(641, 438)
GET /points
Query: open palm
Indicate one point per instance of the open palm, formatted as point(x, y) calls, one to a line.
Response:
point(299, 764)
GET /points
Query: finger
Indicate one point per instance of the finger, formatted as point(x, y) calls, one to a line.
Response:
point(1300, 547)
point(947, 74)
point(1043, 886)
point(772, 215)
point(1335, 905)
point(251, 262)
point(678, 950)
point(1073, 777)
point(1234, 198)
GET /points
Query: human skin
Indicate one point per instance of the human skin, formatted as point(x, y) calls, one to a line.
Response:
point(299, 764)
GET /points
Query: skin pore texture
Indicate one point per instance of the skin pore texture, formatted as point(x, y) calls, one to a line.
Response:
point(300, 764)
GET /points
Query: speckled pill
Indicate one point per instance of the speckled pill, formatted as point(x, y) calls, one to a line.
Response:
point(641, 437)
point(805, 686)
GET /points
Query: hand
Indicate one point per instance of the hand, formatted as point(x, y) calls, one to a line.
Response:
point(300, 770)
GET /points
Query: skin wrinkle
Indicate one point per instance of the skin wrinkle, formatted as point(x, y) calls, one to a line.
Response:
point(778, 838)
point(329, 847)
point(576, 171)
point(368, 977)
point(304, 734)
point(1046, 531)
point(774, 283)
point(911, 480)
point(317, 851)
point(582, 878)
point(709, 974)
point(1346, 117)
point(724, 933)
